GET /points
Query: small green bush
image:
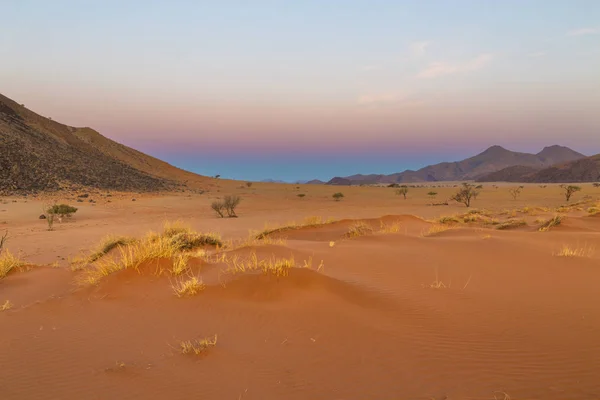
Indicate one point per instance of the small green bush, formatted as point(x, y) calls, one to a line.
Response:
point(63, 210)
point(338, 196)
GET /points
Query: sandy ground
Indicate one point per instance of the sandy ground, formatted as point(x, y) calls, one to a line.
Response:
point(471, 312)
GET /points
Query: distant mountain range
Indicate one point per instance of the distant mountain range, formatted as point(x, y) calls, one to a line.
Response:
point(481, 166)
point(582, 170)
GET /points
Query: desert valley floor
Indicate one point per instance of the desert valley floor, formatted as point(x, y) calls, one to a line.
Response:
point(371, 297)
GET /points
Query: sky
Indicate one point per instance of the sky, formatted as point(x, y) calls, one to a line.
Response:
point(309, 89)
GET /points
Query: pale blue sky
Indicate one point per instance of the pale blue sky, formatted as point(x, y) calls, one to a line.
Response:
point(253, 89)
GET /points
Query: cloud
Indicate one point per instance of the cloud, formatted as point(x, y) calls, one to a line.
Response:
point(380, 100)
point(437, 69)
point(583, 31)
point(537, 54)
point(419, 48)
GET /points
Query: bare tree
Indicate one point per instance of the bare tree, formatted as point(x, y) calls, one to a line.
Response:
point(402, 191)
point(569, 190)
point(230, 203)
point(515, 192)
point(465, 194)
point(3, 240)
point(218, 207)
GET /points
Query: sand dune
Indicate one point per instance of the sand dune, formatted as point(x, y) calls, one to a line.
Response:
point(469, 312)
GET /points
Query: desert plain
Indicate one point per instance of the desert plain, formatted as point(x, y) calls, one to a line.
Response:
point(303, 297)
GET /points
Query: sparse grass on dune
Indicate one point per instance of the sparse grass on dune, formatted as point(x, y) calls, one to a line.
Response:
point(436, 229)
point(9, 262)
point(359, 229)
point(511, 224)
point(551, 223)
point(106, 245)
point(198, 346)
point(567, 251)
point(176, 243)
point(188, 287)
point(271, 266)
point(309, 222)
point(389, 228)
point(7, 305)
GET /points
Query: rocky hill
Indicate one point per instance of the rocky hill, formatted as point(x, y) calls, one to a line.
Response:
point(38, 154)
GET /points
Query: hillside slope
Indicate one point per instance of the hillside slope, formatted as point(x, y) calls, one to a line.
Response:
point(582, 170)
point(38, 154)
point(493, 159)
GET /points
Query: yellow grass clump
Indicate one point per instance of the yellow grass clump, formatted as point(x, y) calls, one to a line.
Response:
point(106, 245)
point(308, 222)
point(8, 262)
point(272, 266)
point(358, 229)
point(180, 263)
point(6, 306)
point(198, 346)
point(188, 287)
point(567, 251)
point(436, 229)
point(449, 220)
point(511, 224)
point(389, 228)
point(551, 223)
point(593, 210)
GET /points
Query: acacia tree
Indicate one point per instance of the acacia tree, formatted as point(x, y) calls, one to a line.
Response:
point(568, 190)
point(465, 194)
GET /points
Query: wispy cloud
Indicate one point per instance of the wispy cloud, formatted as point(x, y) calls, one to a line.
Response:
point(537, 54)
point(584, 31)
point(419, 48)
point(381, 100)
point(437, 69)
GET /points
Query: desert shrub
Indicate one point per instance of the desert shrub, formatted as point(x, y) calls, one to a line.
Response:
point(218, 207)
point(63, 210)
point(432, 194)
point(358, 229)
point(597, 184)
point(338, 196)
point(230, 203)
point(511, 223)
point(552, 222)
point(198, 346)
point(449, 220)
point(301, 195)
point(568, 190)
point(249, 184)
point(465, 194)
point(515, 192)
point(192, 240)
point(402, 191)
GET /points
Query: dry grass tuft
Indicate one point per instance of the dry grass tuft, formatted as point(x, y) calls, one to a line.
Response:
point(359, 229)
point(8, 262)
point(511, 224)
point(106, 245)
point(436, 229)
point(551, 223)
point(198, 346)
point(449, 220)
point(272, 266)
point(180, 263)
point(308, 222)
point(593, 210)
point(389, 228)
point(567, 251)
point(188, 287)
point(6, 306)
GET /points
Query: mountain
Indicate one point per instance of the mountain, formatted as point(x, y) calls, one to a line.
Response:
point(491, 160)
point(583, 170)
point(38, 154)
